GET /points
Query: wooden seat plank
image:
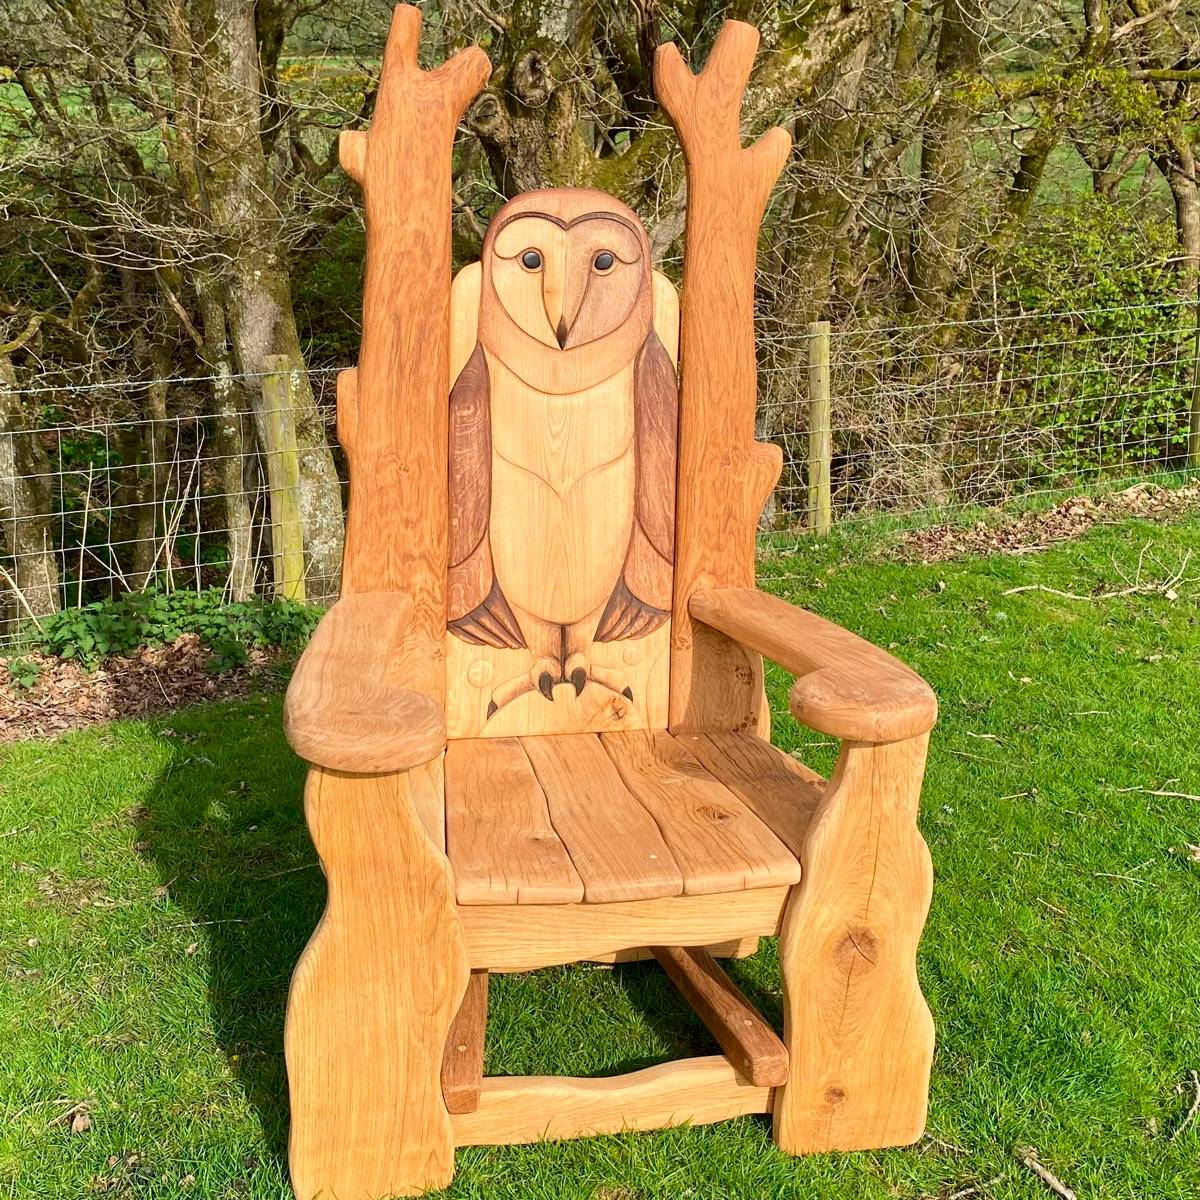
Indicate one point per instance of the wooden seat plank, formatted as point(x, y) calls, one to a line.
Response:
point(498, 833)
point(719, 844)
point(780, 791)
point(613, 841)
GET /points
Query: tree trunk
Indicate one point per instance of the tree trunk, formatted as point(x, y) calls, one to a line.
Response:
point(1178, 166)
point(235, 445)
point(944, 149)
point(26, 503)
point(261, 320)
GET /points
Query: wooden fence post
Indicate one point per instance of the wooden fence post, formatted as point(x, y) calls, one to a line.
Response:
point(283, 476)
point(820, 431)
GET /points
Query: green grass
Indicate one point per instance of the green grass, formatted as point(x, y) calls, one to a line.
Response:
point(158, 885)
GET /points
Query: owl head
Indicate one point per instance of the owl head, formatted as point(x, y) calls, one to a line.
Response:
point(566, 286)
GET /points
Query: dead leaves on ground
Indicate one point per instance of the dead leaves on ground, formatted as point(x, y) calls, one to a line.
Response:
point(66, 696)
point(1036, 530)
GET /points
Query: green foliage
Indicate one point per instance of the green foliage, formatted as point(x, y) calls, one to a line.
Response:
point(153, 618)
point(1101, 376)
point(23, 672)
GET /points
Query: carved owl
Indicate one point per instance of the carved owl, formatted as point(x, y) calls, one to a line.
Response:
point(562, 443)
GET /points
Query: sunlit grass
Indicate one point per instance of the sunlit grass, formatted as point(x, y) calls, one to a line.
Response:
point(158, 884)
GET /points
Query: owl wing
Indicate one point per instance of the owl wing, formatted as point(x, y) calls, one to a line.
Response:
point(641, 600)
point(477, 609)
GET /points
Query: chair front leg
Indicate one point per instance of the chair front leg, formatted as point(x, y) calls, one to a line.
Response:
point(373, 996)
point(858, 1031)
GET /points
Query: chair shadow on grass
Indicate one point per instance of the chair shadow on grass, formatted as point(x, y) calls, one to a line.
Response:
point(224, 827)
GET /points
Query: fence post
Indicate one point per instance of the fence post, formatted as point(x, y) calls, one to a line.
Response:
point(820, 429)
point(283, 476)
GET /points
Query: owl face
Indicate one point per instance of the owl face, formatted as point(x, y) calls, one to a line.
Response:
point(567, 278)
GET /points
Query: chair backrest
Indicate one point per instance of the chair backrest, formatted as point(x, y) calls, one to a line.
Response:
point(563, 431)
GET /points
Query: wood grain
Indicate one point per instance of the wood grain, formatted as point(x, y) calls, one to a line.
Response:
point(781, 792)
point(613, 841)
point(719, 844)
point(693, 1091)
point(856, 1026)
point(498, 831)
point(749, 1043)
point(562, 477)
point(462, 1059)
point(346, 706)
point(525, 937)
point(715, 683)
point(372, 999)
point(845, 687)
point(396, 535)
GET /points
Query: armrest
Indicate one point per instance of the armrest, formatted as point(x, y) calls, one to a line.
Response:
point(345, 709)
point(845, 687)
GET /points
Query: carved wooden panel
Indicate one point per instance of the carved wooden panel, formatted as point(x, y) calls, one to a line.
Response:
point(562, 452)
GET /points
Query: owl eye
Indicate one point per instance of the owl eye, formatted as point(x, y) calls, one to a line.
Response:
point(604, 261)
point(531, 260)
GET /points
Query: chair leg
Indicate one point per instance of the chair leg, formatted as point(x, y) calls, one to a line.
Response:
point(858, 1031)
point(372, 998)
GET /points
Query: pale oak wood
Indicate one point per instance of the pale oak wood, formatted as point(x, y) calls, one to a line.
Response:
point(372, 999)
point(715, 683)
point(693, 1091)
point(427, 785)
point(551, 452)
point(501, 843)
point(559, 819)
point(738, 948)
point(749, 1043)
point(528, 936)
point(393, 420)
point(395, 441)
point(473, 672)
point(780, 791)
point(462, 1060)
point(844, 687)
point(347, 708)
point(719, 844)
point(613, 841)
point(856, 1026)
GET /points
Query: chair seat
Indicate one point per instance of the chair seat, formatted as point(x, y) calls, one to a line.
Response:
point(597, 818)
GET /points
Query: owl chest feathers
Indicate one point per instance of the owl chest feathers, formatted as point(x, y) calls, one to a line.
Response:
point(562, 494)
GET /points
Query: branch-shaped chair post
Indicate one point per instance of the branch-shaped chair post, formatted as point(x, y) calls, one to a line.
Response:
point(377, 988)
point(392, 412)
point(724, 475)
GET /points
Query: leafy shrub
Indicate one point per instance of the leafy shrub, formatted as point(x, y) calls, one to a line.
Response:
point(153, 618)
point(23, 672)
point(1103, 372)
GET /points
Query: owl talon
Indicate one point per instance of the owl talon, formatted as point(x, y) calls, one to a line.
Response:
point(628, 694)
point(492, 709)
point(546, 685)
point(578, 680)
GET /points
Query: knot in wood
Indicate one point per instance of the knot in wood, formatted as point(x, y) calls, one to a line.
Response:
point(531, 80)
point(834, 1095)
point(859, 947)
point(486, 115)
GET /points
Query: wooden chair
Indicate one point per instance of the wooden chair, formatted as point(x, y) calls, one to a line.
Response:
point(535, 718)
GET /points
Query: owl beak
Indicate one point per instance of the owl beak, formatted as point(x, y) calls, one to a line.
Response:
point(553, 295)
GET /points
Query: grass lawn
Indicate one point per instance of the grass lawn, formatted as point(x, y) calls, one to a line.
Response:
point(158, 883)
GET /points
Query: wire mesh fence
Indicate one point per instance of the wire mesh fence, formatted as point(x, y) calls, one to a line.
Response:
point(920, 417)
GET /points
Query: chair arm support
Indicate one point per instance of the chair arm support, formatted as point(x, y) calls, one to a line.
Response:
point(845, 687)
point(346, 707)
